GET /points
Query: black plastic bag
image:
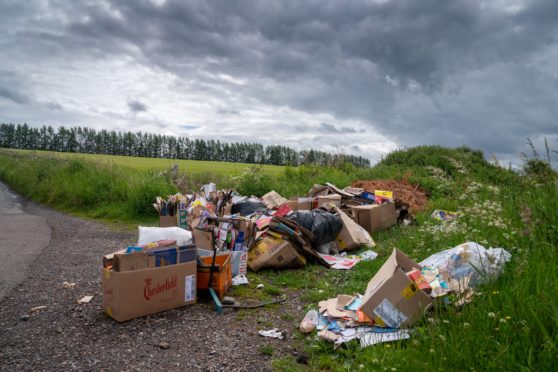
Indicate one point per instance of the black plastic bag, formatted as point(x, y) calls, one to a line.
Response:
point(248, 207)
point(324, 225)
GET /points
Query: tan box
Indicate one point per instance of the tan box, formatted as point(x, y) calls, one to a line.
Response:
point(375, 217)
point(168, 221)
point(274, 253)
point(132, 294)
point(391, 298)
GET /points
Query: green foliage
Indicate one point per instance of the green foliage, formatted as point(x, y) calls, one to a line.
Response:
point(266, 350)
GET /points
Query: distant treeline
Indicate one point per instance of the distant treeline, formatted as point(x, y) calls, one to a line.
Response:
point(89, 141)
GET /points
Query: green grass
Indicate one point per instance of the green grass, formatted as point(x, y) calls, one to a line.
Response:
point(522, 334)
point(150, 164)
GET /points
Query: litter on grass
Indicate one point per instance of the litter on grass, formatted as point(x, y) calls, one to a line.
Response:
point(402, 291)
point(273, 333)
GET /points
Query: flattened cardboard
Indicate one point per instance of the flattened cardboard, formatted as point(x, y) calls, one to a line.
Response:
point(274, 253)
point(375, 217)
point(132, 294)
point(272, 200)
point(168, 221)
point(332, 198)
point(391, 298)
point(352, 235)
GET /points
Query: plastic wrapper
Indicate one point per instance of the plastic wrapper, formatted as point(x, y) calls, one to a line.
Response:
point(153, 234)
point(470, 260)
point(324, 225)
point(309, 322)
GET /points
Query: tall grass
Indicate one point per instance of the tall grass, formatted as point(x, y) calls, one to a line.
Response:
point(99, 190)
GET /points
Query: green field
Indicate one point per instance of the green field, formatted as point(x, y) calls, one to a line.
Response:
point(145, 164)
point(511, 324)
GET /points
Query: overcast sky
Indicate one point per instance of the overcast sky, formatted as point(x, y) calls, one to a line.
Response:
point(362, 77)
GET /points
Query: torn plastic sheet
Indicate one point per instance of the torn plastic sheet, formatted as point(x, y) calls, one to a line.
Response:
point(240, 280)
point(373, 338)
point(273, 333)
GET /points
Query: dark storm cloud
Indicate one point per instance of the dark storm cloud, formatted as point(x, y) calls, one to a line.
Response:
point(14, 95)
point(330, 128)
point(479, 73)
point(137, 106)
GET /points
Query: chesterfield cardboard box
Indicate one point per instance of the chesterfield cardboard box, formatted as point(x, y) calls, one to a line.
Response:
point(132, 294)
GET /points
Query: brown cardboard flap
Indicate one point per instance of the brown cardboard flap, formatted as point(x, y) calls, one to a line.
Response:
point(203, 238)
point(352, 235)
point(168, 221)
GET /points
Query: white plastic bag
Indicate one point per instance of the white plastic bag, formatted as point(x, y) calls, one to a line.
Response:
point(470, 259)
point(152, 234)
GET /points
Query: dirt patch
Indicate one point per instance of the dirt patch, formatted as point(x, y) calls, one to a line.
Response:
point(403, 191)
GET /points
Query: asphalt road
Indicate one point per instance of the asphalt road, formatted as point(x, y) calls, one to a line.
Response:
point(22, 238)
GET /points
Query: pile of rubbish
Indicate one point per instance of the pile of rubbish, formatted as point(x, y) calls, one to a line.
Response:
point(278, 233)
point(208, 240)
point(409, 199)
point(402, 291)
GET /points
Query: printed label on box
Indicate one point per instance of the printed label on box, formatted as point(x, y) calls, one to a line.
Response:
point(409, 291)
point(189, 287)
point(390, 314)
point(384, 194)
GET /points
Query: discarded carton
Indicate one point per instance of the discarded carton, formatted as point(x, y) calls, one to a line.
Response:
point(332, 198)
point(273, 200)
point(132, 294)
point(203, 238)
point(222, 272)
point(391, 298)
point(168, 221)
point(375, 217)
point(352, 235)
point(274, 253)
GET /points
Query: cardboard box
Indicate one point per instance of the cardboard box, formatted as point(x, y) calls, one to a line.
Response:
point(150, 258)
point(304, 204)
point(332, 198)
point(168, 221)
point(375, 217)
point(222, 272)
point(275, 253)
point(391, 298)
point(203, 238)
point(132, 294)
point(352, 235)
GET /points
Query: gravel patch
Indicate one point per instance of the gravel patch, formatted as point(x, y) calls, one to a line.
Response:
point(65, 335)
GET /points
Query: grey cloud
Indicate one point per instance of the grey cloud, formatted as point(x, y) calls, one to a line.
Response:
point(480, 75)
point(225, 111)
point(14, 96)
point(137, 106)
point(335, 129)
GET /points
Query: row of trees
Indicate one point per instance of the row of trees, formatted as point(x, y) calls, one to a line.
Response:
point(89, 141)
